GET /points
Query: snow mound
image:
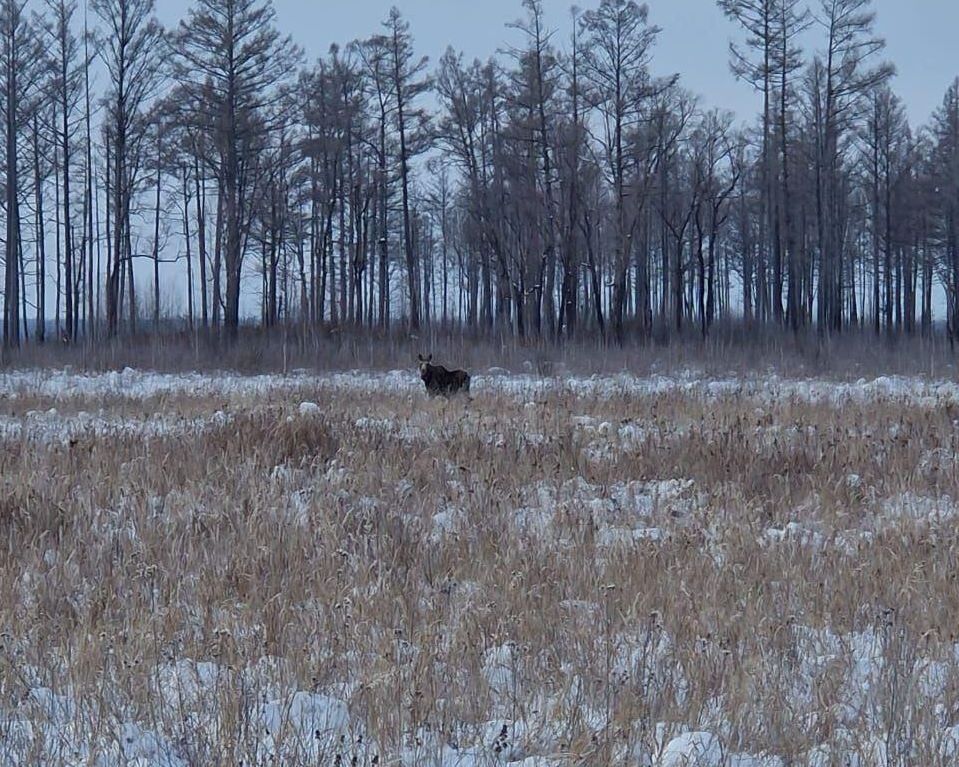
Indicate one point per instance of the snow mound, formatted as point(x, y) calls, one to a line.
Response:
point(309, 409)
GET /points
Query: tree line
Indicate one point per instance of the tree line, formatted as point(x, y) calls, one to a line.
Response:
point(563, 188)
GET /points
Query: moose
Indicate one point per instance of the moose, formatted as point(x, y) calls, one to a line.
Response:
point(440, 381)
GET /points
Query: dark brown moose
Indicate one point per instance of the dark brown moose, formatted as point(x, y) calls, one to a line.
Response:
point(440, 381)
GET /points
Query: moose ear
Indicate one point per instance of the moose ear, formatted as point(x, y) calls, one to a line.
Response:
point(430, 358)
point(420, 358)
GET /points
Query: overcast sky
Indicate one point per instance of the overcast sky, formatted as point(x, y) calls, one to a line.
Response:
point(921, 37)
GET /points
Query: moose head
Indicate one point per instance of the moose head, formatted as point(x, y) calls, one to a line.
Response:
point(424, 363)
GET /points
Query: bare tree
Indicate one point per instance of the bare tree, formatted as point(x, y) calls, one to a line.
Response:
point(21, 70)
point(408, 84)
point(618, 42)
point(946, 180)
point(131, 51)
point(535, 87)
point(230, 61)
point(68, 69)
point(847, 76)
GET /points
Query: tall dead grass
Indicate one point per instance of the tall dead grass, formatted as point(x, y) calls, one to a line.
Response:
point(376, 551)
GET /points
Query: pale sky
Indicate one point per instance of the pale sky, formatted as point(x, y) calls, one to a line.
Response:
point(921, 36)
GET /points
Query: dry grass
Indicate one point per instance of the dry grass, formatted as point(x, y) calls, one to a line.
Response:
point(578, 578)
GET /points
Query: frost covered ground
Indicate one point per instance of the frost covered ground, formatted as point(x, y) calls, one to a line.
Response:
point(336, 570)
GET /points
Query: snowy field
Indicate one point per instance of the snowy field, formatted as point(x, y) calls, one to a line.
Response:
point(337, 570)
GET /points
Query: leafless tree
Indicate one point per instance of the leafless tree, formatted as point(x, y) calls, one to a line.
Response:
point(230, 61)
point(130, 46)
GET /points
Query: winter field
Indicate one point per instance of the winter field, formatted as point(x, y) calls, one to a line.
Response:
point(336, 570)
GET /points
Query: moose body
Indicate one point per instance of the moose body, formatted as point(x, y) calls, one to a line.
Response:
point(440, 381)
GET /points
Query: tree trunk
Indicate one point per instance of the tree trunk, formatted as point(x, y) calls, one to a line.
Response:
point(189, 253)
point(11, 325)
point(200, 185)
point(41, 324)
point(156, 247)
point(218, 262)
point(411, 267)
point(71, 329)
